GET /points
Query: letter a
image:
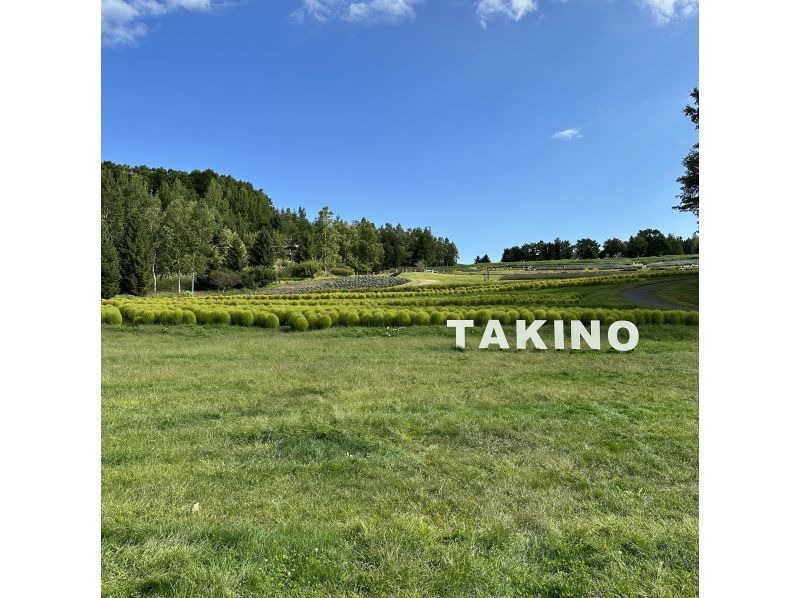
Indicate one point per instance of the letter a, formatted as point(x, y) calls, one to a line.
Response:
point(494, 335)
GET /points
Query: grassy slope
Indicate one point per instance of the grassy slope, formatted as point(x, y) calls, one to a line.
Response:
point(341, 462)
point(442, 278)
point(685, 293)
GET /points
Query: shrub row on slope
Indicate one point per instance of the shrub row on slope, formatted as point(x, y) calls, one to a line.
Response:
point(302, 319)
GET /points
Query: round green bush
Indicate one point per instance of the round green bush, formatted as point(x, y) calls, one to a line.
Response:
point(402, 318)
point(692, 318)
point(313, 321)
point(438, 318)
point(188, 317)
point(421, 318)
point(673, 317)
point(220, 316)
point(110, 314)
point(503, 317)
point(145, 317)
point(657, 316)
point(351, 319)
point(266, 320)
point(325, 321)
point(299, 323)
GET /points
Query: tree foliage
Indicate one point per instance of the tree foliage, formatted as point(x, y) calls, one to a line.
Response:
point(165, 222)
point(109, 264)
point(690, 180)
point(261, 251)
point(645, 243)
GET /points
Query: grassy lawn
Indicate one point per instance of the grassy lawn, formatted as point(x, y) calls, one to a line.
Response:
point(684, 293)
point(444, 278)
point(347, 462)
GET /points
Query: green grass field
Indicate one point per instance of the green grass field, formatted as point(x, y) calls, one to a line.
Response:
point(685, 293)
point(447, 278)
point(374, 461)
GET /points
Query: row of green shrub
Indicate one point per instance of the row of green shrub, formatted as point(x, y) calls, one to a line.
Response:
point(305, 318)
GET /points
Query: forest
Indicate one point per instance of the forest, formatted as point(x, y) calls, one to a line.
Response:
point(222, 233)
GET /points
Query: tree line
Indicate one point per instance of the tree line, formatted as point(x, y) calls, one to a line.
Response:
point(157, 222)
point(647, 242)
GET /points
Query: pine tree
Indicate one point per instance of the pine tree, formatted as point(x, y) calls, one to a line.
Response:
point(109, 264)
point(134, 256)
point(233, 250)
point(261, 252)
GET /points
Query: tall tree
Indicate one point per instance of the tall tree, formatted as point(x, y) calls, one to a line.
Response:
point(135, 254)
point(326, 246)
point(261, 251)
point(613, 246)
point(176, 232)
point(690, 180)
point(109, 264)
point(587, 249)
point(367, 250)
point(200, 232)
point(232, 250)
point(636, 246)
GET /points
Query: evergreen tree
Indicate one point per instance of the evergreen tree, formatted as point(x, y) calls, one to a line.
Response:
point(262, 252)
point(690, 180)
point(134, 258)
point(109, 264)
point(232, 250)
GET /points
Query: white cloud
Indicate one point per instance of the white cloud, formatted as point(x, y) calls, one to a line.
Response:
point(568, 134)
point(365, 11)
point(486, 10)
point(666, 10)
point(125, 21)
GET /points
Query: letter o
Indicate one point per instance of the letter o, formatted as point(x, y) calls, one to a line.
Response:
point(633, 335)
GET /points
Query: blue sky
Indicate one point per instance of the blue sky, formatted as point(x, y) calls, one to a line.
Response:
point(494, 122)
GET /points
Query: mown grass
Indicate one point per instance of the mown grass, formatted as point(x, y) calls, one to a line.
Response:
point(447, 278)
point(685, 293)
point(357, 461)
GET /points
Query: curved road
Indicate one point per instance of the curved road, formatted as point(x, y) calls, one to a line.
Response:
point(642, 296)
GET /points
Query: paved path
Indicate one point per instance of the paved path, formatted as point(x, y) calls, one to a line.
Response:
point(641, 295)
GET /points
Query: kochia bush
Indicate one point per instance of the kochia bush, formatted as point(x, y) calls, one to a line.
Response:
point(110, 314)
point(298, 322)
point(266, 320)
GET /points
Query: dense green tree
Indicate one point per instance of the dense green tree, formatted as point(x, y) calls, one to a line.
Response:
point(261, 251)
point(134, 254)
point(690, 179)
point(232, 250)
point(587, 249)
point(109, 264)
point(395, 243)
point(367, 251)
point(691, 245)
point(200, 233)
point(177, 233)
point(325, 245)
point(614, 246)
point(636, 246)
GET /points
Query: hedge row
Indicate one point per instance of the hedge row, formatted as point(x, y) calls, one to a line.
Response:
point(310, 319)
